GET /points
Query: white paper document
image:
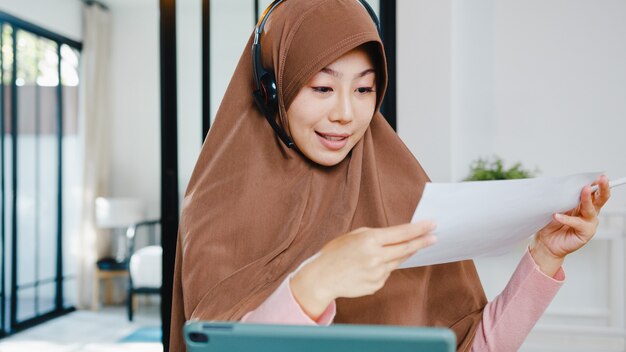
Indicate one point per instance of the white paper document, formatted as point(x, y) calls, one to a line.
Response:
point(483, 218)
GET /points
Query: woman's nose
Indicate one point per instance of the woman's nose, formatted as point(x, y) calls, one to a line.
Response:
point(343, 111)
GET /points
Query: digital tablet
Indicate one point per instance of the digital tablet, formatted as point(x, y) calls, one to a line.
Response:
point(239, 337)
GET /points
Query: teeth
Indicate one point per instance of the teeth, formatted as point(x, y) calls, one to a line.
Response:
point(330, 138)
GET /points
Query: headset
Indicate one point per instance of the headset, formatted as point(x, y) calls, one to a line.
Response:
point(266, 93)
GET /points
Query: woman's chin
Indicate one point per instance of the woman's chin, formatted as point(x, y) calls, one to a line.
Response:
point(328, 158)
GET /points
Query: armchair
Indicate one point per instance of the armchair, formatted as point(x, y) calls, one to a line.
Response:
point(144, 265)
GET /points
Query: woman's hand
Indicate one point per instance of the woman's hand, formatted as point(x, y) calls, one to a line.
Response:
point(357, 264)
point(570, 231)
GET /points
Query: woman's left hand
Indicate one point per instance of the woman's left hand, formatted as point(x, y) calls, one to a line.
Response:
point(570, 231)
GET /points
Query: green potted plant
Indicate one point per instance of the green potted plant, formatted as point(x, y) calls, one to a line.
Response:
point(484, 169)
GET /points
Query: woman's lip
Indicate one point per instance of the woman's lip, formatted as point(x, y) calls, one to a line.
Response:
point(340, 135)
point(330, 144)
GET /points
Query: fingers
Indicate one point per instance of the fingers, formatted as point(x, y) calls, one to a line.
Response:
point(587, 209)
point(402, 233)
point(602, 195)
point(587, 220)
point(394, 264)
point(393, 253)
point(591, 202)
point(577, 223)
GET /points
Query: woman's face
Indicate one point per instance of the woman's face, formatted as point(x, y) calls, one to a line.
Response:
point(333, 109)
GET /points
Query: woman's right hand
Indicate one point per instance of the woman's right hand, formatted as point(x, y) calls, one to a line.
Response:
point(357, 264)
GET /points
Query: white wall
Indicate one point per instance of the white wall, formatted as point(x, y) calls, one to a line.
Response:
point(189, 60)
point(560, 83)
point(59, 16)
point(135, 102)
point(424, 90)
point(541, 82)
point(472, 81)
point(531, 81)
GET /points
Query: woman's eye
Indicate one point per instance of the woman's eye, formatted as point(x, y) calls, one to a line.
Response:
point(365, 90)
point(322, 89)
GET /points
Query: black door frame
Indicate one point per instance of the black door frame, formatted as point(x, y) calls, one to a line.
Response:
point(169, 159)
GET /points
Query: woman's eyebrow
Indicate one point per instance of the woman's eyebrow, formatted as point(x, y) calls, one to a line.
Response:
point(334, 73)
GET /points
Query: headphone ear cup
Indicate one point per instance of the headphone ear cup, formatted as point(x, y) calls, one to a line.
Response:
point(270, 92)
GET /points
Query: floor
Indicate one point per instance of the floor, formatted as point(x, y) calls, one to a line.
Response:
point(87, 331)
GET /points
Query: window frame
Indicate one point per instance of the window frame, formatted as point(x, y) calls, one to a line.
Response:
point(14, 325)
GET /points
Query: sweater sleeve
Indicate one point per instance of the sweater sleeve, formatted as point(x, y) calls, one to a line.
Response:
point(281, 307)
point(508, 319)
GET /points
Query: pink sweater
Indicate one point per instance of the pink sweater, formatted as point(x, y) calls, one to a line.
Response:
point(506, 320)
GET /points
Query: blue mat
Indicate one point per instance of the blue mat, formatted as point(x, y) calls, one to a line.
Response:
point(145, 334)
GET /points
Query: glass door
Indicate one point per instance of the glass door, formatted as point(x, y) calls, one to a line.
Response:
point(38, 100)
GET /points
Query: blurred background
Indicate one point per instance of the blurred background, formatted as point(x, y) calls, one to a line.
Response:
point(87, 87)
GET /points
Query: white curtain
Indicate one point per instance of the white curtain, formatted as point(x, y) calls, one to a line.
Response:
point(94, 102)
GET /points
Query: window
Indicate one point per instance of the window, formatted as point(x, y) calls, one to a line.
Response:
point(39, 175)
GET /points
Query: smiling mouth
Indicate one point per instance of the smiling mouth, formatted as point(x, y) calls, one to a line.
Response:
point(332, 136)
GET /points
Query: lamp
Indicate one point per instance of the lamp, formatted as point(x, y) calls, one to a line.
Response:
point(118, 214)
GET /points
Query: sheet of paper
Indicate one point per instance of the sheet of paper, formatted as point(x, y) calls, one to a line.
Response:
point(491, 217)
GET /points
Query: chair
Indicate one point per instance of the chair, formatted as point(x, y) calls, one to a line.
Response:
point(144, 265)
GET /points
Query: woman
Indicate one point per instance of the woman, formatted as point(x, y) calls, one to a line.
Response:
point(312, 234)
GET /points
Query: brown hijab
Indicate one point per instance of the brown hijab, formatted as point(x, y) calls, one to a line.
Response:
point(254, 209)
